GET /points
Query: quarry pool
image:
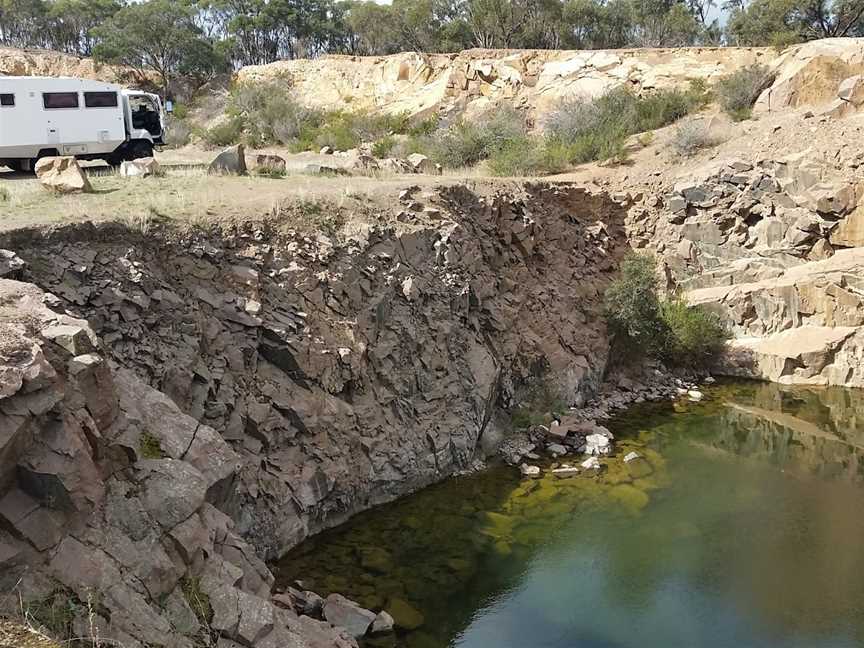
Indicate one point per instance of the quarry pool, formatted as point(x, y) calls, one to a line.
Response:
point(742, 526)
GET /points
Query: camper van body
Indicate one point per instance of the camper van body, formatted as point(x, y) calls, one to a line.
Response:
point(42, 116)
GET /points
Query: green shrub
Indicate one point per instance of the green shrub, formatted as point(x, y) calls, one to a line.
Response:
point(641, 324)
point(633, 307)
point(694, 336)
point(181, 111)
point(597, 129)
point(178, 133)
point(526, 156)
point(538, 405)
point(738, 91)
point(465, 143)
point(225, 133)
point(269, 113)
point(382, 147)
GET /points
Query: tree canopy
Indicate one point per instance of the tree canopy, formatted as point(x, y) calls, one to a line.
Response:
point(198, 38)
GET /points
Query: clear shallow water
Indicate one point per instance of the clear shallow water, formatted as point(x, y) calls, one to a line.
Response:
point(744, 528)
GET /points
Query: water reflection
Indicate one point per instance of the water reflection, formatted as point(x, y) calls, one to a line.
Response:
point(741, 527)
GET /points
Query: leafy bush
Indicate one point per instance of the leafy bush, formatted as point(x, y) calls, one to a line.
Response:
point(673, 331)
point(526, 156)
point(598, 128)
point(690, 138)
point(224, 133)
point(269, 113)
point(178, 133)
point(465, 143)
point(694, 336)
point(382, 147)
point(633, 307)
point(738, 91)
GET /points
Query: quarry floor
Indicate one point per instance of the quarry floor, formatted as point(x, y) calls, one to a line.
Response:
point(187, 193)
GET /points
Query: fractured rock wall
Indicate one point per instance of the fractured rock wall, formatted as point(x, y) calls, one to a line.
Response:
point(252, 383)
point(473, 80)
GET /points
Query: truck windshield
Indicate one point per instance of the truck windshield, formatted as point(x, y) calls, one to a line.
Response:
point(145, 114)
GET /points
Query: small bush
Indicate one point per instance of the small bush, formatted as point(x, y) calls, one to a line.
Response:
point(694, 336)
point(633, 307)
point(526, 156)
point(538, 405)
point(178, 133)
point(181, 111)
point(382, 147)
point(4, 195)
point(268, 112)
point(690, 138)
point(738, 91)
point(225, 133)
point(597, 129)
point(643, 325)
point(465, 143)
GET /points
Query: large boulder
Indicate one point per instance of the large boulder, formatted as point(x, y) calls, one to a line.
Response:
point(345, 613)
point(422, 164)
point(270, 162)
point(62, 175)
point(142, 168)
point(231, 161)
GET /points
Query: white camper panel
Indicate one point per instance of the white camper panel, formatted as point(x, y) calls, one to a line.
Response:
point(74, 116)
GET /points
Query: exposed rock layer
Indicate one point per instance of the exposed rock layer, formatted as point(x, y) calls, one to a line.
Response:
point(255, 384)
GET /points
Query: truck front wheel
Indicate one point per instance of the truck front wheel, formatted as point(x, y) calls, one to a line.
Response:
point(139, 149)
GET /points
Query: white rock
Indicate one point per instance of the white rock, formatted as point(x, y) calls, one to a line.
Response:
point(695, 395)
point(592, 463)
point(631, 456)
point(410, 289)
point(529, 471)
point(597, 444)
point(565, 471)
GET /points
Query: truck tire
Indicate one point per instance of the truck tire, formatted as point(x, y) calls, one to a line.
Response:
point(139, 149)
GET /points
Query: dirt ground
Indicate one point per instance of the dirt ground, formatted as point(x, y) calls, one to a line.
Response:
point(187, 193)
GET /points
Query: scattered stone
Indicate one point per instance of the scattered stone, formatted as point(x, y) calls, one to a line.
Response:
point(597, 444)
point(422, 164)
point(75, 339)
point(592, 463)
point(326, 150)
point(11, 265)
point(556, 450)
point(631, 456)
point(323, 169)
point(62, 175)
point(140, 168)
point(695, 395)
point(529, 471)
point(270, 161)
point(565, 471)
point(383, 623)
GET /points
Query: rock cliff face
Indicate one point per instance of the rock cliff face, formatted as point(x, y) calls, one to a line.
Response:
point(473, 80)
point(18, 62)
point(252, 384)
point(773, 248)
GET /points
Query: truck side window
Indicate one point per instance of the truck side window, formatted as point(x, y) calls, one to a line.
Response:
point(100, 99)
point(7, 99)
point(60, 100)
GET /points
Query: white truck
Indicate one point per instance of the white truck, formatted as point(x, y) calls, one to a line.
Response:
point(44, 116)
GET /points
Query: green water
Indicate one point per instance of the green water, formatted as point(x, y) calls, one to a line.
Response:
point(744, 528)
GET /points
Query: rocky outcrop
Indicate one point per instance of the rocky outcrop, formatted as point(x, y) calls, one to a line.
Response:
point(809, 74)
point(473, 80)
point(771, 247)
point(237, 389)
point(19, 62)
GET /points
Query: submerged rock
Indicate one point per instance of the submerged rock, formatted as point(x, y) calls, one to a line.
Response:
point(345, 613)
point(597, 444)
point(382, 623)
point(405, 615)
